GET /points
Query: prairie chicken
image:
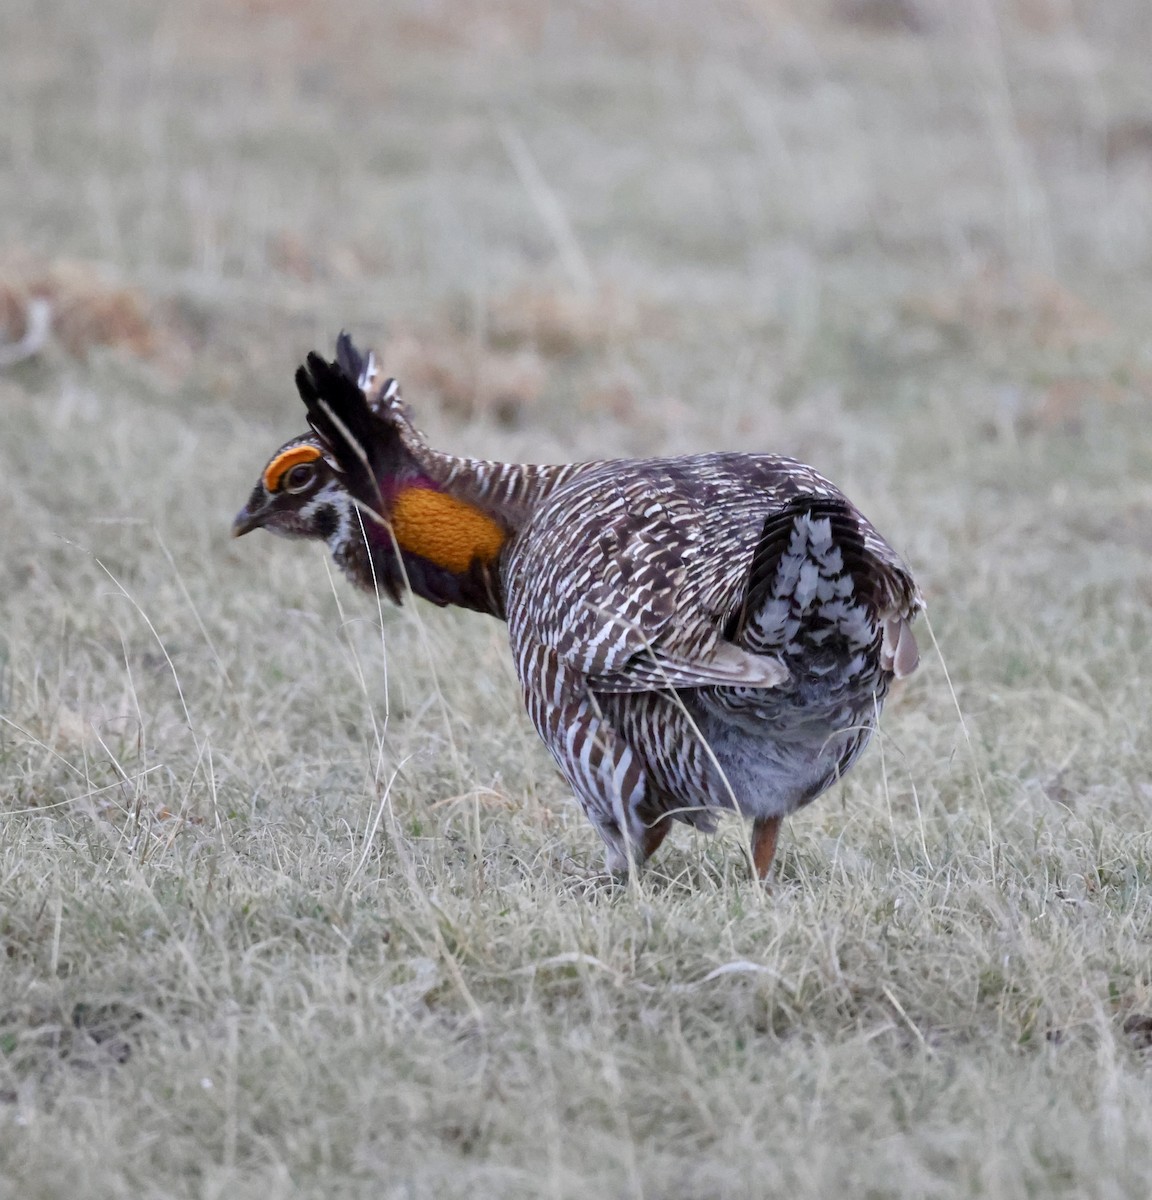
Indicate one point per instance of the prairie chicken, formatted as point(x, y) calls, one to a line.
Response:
point(691, 634)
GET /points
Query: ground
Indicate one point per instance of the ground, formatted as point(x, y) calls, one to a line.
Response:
point(292, 902)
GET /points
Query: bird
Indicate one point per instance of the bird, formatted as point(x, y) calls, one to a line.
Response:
point(692, 635)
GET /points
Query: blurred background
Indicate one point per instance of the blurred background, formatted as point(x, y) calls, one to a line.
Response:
point(636, 226)
point(306, 862)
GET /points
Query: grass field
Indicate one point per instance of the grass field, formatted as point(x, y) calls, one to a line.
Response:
point(292, 902)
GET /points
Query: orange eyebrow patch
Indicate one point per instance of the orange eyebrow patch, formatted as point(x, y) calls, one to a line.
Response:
point(274, 471)
point(444, 530)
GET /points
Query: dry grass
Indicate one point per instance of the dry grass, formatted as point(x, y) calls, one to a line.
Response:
point(291, 901)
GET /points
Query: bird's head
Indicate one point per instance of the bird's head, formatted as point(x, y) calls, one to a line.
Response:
point(325, 484)
point(298, 494)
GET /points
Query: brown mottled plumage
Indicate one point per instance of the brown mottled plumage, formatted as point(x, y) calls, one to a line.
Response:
point(716, 631)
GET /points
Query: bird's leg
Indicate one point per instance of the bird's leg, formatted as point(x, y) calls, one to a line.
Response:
point(765, 831)
point(617, 858)
point(654, 834)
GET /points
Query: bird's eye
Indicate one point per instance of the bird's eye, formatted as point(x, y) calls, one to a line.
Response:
point(299, 477)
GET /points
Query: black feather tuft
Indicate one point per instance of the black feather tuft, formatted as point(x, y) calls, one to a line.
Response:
point(348, 358)
point(342, 419)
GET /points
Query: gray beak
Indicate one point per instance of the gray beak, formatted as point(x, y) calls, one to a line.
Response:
point(248, 519)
